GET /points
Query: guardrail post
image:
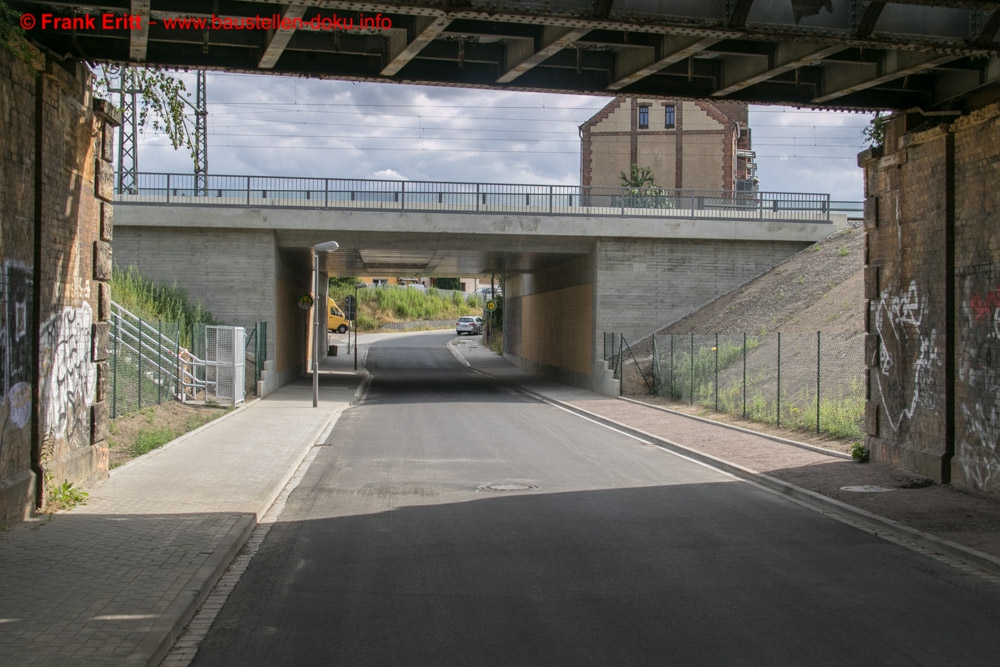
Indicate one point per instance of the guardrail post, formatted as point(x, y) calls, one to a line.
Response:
point(779, 378)
point(402, 198)
point(159, 362)
point(744, 375)
point(139, 364)
point(550, 199)
point(692, 369)
point(168, 188)
point(621, 364)
point(248, 191)
point(326, 193)
point(671, 366)
point(717, 372)
point(817, 382)
point(116, 327)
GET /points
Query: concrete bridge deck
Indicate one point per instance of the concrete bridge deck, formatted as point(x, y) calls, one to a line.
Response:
point(621, 261)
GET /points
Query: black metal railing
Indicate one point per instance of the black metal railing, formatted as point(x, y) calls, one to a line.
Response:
point(341, 193)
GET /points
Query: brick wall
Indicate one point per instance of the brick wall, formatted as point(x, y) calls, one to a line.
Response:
point(55, 194)
point(698, 152)
point(932, 286)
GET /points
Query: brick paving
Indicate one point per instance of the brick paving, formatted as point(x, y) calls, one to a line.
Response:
point(114, 581)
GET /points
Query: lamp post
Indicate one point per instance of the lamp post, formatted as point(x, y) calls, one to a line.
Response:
point(329, 246)
point(356, 309)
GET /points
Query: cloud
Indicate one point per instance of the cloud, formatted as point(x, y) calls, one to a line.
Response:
point(288, 126)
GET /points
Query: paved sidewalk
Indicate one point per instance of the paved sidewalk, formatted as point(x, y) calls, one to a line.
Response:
point(114, 581)
point(943, 520)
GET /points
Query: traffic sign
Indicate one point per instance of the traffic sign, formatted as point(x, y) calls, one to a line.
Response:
point(491, 306)
point(305, 301)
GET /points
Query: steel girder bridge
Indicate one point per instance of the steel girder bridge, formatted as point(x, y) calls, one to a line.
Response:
point(837, 54)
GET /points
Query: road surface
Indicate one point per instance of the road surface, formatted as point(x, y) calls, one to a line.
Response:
point(452, 521)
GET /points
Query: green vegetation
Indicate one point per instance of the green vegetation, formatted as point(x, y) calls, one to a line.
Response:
point(65, 496)
point(859, 452)
point(703, 368)
point(843, 251)
point(643, 192)
point(874, 133)
point(145, 440)
point(382, 305)
point(840, 415)
point(152, 302)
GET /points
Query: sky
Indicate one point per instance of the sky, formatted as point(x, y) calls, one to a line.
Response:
point(289, 126)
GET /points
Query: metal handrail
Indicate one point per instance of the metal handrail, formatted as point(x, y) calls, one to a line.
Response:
point(183, 371)
point(469, 197)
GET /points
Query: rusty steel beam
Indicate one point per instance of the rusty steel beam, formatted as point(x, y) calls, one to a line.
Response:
point(278, 38)
point(139, 36)
point(426, 31)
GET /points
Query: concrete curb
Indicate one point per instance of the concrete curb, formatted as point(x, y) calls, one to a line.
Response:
point(171, 625)
point(733, 427)
point(876, 525)
point(872, 523)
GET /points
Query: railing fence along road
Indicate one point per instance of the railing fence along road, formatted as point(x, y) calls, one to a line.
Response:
point(339, 193)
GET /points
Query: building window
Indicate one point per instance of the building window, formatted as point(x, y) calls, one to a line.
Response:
point(669, 112)
point(643, 117)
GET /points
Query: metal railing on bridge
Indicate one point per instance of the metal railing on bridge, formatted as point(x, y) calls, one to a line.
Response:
point(351, 194)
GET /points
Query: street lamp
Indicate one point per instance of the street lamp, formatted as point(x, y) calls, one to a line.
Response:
point(329, 246)
point(356, 308)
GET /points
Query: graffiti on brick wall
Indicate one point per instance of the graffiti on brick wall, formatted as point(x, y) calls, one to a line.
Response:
point(907, 355)
point(984, 306)
point(979, 371)
point(69, 378)
point(16, 284)
point(15, 343)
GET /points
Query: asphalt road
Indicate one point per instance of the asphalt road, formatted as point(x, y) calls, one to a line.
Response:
point(390, 552)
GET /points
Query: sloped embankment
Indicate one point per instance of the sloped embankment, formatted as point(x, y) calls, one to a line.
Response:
point(817, 290)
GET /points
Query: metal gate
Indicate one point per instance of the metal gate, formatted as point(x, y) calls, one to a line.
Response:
point(224, 363)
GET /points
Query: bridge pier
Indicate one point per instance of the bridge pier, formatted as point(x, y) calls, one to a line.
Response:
point(555, 319)
point(240, 275)
point(932, 284)
point(55, 263)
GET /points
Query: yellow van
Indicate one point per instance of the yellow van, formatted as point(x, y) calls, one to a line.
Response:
point(335, 320)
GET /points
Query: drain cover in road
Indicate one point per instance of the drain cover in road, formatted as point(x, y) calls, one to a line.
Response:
point(867, 488)
point(502, 486)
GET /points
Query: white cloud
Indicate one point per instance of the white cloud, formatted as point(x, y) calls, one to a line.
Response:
point(284, 126)
point(388, 175)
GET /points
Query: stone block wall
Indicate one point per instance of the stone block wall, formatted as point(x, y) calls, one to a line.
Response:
point(56, 222)
point(932, 285)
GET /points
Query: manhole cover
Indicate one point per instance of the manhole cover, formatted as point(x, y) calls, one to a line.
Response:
point(501, 486)
point(867, 488)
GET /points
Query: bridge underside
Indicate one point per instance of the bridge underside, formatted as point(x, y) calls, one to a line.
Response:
point(863, 54)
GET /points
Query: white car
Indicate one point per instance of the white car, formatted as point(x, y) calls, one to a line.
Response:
point(469, 324)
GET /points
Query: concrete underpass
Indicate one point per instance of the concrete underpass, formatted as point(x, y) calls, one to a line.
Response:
point(567, 279)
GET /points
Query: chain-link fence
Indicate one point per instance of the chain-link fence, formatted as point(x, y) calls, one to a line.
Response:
point(805, 381)
point(143, 368)
point(148, 366)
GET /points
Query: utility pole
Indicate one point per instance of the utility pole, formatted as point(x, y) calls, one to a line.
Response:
point(128, 134)
point(128, 155)
point(200, 137)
